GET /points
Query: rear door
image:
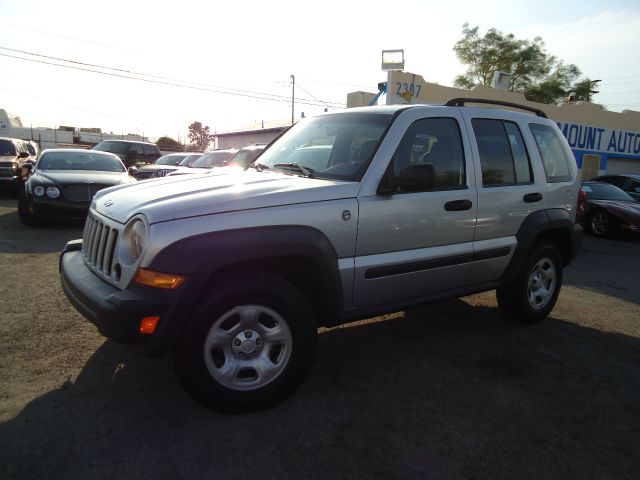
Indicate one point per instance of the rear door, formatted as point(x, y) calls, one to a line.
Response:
point(509, 188)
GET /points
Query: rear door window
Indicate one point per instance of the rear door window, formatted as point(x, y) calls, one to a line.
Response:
point(504, 158)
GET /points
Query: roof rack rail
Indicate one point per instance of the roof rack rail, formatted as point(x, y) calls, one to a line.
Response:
point(459, 102)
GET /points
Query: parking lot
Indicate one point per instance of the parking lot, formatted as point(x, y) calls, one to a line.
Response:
point(452, 390)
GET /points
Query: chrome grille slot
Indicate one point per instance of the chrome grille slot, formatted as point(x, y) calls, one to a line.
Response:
point(99, 245)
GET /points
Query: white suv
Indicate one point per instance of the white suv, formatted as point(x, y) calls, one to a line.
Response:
point(395, 206)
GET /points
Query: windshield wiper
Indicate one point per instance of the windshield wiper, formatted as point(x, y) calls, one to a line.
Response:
point(306, 171)
point(258, 166)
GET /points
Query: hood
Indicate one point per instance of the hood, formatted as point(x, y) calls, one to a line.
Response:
point(8, 158)
point(194, 195)
point(74, 177)
point(206, 170)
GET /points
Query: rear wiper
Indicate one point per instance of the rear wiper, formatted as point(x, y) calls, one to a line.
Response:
point(306, 171)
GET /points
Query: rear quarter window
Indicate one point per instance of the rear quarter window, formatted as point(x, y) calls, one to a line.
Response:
point(552, 151)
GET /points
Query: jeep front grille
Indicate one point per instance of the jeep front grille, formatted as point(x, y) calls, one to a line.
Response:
point(99, 245)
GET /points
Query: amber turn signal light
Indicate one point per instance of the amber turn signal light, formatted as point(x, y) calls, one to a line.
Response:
point(148, 325)
point(168, 281)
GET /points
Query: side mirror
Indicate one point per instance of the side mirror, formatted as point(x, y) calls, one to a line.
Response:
point(132, 171)
point(24, 155)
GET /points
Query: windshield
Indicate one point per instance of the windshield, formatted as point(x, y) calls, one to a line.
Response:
point(338, 146)
point(7, 148)
point(113, 147)
point(243, 157)
point(169, 160)
point(189, 159)
point(212, 159)
point(82, 160)
point(604, 191)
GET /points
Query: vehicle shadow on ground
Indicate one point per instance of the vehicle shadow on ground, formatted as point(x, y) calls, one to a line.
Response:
point(592, 270)
point(47, 238)
point(448, 391)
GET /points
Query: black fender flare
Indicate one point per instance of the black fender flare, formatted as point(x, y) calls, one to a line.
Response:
point(555, 222)
point(199, 257)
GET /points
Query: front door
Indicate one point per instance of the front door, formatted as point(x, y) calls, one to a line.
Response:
point(415, 243)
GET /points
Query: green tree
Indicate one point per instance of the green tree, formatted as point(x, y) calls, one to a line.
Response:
point(169, 144)
point(540, 76)
point(199, 136)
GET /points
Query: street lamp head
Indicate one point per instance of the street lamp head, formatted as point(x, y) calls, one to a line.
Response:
point(393, 60)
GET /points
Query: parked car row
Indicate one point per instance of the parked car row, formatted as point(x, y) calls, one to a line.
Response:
point(60, 183)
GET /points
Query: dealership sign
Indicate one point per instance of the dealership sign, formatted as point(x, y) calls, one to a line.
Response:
point(603, 140)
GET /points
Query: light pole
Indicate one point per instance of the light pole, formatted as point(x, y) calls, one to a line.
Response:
point(293, 95)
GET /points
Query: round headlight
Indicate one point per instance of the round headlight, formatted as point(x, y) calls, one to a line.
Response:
point(133, 241)
point(38, 191)
point(53, 192)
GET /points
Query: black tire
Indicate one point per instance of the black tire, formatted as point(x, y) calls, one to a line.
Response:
point(534, 292)
point(27, 211)
point(259, 335)
point(600, 223)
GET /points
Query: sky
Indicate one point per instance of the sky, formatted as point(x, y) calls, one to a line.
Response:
point(229, 64)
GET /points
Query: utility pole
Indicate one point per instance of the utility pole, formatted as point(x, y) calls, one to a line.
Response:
point(293, 96)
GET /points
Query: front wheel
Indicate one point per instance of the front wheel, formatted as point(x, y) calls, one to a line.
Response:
point(249, 345)
point(600, 223)
point(533, 294)
point(27, 212)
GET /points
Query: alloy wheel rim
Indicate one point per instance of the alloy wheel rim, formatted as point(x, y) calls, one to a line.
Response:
point(248, 347)
point(542, 283)
point(599, 223)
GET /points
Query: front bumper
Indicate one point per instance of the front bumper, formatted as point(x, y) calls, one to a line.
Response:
point(116, 313)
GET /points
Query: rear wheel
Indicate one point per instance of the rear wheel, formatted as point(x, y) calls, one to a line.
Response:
point(533, 294)
point(249, 345)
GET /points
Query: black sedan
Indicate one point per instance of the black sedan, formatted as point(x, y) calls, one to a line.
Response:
point(62, 183)
point(608, 210)
point(629, 182)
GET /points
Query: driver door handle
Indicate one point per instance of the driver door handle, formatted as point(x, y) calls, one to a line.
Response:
point(458, 205)
point(532, 197)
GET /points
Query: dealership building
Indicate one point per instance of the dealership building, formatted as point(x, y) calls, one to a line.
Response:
point(601, 141)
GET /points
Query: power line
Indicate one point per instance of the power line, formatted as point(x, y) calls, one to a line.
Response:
point(76, 65)
point(75, 39)
point(131, 72)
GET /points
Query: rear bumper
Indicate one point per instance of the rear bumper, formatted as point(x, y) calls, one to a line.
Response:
point(576, 240)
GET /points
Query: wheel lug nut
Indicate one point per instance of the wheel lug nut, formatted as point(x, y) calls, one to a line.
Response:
point(248, 333)
point(236, 342)
point(258, 341)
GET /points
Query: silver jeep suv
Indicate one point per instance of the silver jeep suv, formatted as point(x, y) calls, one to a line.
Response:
point(345, 216)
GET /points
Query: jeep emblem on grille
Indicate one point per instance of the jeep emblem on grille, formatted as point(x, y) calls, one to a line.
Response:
point(108, 203)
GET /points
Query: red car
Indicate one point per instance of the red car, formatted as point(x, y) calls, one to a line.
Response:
point(608, 210)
